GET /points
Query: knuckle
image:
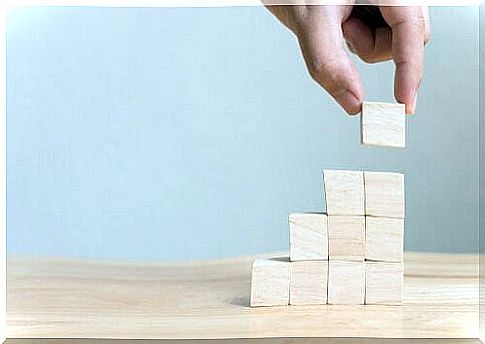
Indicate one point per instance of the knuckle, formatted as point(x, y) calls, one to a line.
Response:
point(325, 73)
point(317, 68)
point(422, 25)
point(427, 36)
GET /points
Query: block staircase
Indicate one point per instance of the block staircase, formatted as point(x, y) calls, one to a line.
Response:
point(352, 254)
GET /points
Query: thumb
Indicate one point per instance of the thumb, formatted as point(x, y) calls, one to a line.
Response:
point(329, 64)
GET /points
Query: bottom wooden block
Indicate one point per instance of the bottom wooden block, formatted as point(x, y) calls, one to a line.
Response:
point(384, 283)
point(270, 282)
point(308, 283)
point(346, 283)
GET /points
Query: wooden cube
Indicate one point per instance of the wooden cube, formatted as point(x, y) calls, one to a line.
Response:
point(308, 237)
point(384, 239)
point(383, 124)
point(384, 194)
point(308, 282)
point(344, 192)
point(346, 283)
point(346, 237)
point(270, 282)
point(384, 283)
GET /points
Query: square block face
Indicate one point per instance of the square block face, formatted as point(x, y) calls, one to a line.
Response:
point(346, 237)
point(308, 283)
point(384, 239)
point(384, 194)
point(270, 283)
point(384, 283)
point(346, 283)
point(383, 124)
point(344, 192)
point(308, 237)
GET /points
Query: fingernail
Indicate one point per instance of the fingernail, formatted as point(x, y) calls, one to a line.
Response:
point(412, 110)
point(350, 102)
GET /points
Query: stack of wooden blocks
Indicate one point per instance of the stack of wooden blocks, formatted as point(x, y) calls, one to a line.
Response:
point(352, 254)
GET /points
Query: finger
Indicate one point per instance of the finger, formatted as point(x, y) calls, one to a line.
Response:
point(330, 66)
point(427, 25)
point(408, 39)
point(370, 46)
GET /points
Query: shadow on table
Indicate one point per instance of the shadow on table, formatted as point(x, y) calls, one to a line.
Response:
point(240, 301)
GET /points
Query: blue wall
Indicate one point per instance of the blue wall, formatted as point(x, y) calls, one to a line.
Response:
point(192, 133)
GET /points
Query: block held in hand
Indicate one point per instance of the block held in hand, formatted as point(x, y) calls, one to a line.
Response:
point(383, 124)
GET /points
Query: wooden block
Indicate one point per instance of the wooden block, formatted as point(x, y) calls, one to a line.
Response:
point(384, 194)
point(346, 283)
point(383, 124)
point(308, 237)
point(344, 192)
point(308, 283)
point(384, 283)
point(346, 237)
point(384, 239)
point(270, 282)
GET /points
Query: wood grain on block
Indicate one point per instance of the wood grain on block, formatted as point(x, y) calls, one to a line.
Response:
point(384, 194)
point(346, 283)
point(384, 283)
point(344, 192)
point(383, 124)
point(308, 237)
point(308, 282)
point(270, 282)
point(346, 237)
point(384, 239)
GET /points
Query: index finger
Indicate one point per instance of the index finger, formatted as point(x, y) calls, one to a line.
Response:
point(408, 26)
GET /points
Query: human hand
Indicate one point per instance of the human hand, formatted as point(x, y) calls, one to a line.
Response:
point(323, 30)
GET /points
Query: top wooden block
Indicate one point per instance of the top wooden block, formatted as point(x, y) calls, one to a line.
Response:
point(383, 124)
point(384, 194)
point(344, 192)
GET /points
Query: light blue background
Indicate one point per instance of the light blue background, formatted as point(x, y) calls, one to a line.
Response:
point(192, 133)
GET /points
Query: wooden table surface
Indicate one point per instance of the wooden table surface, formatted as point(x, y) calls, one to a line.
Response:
point(59, 298)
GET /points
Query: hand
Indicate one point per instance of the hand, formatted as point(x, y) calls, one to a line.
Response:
point(323, 30)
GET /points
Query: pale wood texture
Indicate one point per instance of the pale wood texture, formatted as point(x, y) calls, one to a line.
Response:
point(54, 298)
point(308, 236)
point(384, 239)
point(344, 192)
point(384, 194)
point(274, 340)
point(383, 124)
point(346, 237)
point(440, 265)
point(346, 283)
point(308, 283)
point(270, 282)
point(384, 283)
